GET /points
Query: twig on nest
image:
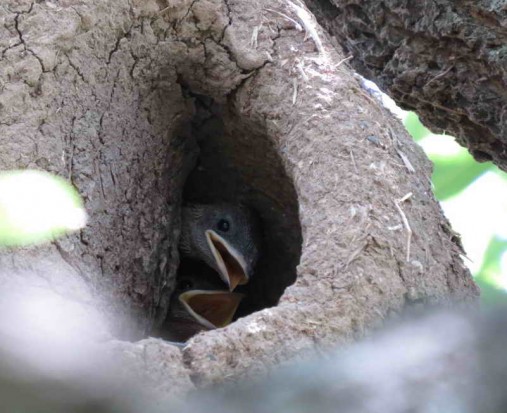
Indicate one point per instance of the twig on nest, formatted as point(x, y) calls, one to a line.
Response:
point(406, 161)
point(295, 93)
point(405, 221)
point(298, 26)
point(164, 10)
point(441, 74)
point(346, 59)
point(353, 161)
point(354, 254)
point(309, 25)
point(255, 35)
point(407, 196)
point(301, 70)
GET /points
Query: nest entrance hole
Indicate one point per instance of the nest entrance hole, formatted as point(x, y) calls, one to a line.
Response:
point(237, 163)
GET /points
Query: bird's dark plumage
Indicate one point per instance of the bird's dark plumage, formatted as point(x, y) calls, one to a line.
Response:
point(224, 236)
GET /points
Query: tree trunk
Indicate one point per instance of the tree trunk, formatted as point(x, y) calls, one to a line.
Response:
point(447, 60)
point(118, 96)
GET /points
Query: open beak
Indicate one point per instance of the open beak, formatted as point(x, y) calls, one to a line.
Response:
point(231, 264)
point(212, 309)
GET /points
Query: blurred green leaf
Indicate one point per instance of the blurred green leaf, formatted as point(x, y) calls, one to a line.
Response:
point(489, 276)
point(492, 261)
point(452, 174)
point(415, 127)
point(491, 295)
point(37, 206)
point(454, 170)
point(499, 173)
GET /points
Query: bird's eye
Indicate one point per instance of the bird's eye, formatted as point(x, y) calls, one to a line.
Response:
point(223, 225)
point(184, 285)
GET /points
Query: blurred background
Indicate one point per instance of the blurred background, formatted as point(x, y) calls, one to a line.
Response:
point(474, 198)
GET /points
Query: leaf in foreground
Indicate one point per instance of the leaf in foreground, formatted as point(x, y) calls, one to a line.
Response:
point(36, 206)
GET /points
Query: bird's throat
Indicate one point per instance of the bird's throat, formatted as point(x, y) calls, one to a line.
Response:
point(212, 309)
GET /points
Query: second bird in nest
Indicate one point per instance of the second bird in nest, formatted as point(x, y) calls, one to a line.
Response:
point(199, 303)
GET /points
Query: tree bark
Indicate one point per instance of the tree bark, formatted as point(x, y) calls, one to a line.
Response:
point(116, 96)
point(447, 60)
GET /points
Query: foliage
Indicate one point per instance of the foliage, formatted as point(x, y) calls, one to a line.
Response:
point(452, 174)
point(36, 207)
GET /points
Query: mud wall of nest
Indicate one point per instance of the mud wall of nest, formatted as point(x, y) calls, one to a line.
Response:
point(114, 106)
point(118, 96)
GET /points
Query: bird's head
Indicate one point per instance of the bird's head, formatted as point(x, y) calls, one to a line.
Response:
point(224, 236)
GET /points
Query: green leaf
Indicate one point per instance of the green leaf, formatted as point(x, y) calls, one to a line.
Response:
point(452, 174)
point(37, 206)
point(500, 173)
point(489, 276)
point(491, 295)
point(415, 127)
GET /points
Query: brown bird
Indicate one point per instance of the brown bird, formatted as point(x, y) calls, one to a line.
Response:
point(198, 303)
point(224, 236)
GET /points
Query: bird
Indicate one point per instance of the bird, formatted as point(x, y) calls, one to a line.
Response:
point(199, 302)
point(224, 236)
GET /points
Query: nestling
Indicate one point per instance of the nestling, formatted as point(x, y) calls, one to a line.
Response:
point(198, 303)
point(224, 236)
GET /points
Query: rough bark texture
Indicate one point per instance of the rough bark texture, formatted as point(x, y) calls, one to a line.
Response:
point(447, 60)
point(116, 95)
